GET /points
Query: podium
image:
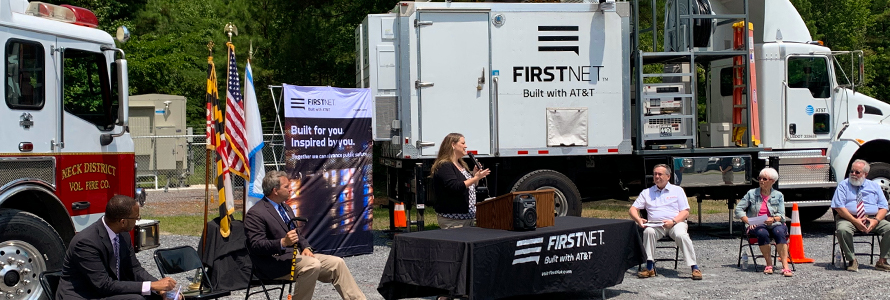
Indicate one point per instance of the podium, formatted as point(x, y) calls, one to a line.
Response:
point(497, 213)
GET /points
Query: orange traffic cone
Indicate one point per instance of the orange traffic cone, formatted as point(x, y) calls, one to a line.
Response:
point(795, 244)
point(399, 217)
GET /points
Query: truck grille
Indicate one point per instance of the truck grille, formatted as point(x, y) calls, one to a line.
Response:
point(13, 168)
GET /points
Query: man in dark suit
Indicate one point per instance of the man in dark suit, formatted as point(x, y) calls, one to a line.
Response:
point(101, 263)
point(272, 240)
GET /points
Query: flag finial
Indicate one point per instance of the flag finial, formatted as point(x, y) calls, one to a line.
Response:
point(230, 29)
point(210, 47)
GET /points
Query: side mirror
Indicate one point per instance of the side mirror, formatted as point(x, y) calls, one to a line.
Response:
point(123, 93)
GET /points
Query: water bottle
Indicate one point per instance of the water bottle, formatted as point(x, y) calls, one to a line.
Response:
point(174, 293)
point(745, 261)
point(838, 260)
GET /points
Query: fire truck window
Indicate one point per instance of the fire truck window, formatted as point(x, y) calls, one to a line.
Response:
point(24, 75)
point(809, 73)
point(87, 90)
point(820, 124)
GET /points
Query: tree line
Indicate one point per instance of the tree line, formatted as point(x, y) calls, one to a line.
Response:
point(311, 42)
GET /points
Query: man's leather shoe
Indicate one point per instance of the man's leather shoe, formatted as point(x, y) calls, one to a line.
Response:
point(882, 267)
point(646, 273)
point(854, 266)
point(696, 274)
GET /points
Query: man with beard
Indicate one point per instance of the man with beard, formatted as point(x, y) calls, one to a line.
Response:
point(861, 206)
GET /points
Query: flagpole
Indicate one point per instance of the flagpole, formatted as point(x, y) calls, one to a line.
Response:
point(247, 186)
point(206, 176)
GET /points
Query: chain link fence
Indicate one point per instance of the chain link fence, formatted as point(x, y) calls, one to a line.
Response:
point(169, 165)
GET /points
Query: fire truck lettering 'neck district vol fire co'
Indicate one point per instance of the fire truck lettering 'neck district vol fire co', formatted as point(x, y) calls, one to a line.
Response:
point(64, 149)
point(574, 97)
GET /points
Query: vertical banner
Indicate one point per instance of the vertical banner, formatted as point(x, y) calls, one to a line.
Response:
point(328, 155)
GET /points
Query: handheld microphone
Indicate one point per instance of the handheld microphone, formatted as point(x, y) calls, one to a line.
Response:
point(476, 162)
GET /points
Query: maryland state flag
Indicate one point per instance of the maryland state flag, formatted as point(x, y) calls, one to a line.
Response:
point(216, 142)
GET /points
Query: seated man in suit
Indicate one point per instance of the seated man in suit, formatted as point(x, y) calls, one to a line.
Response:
point(271, 240)
point(101, 263)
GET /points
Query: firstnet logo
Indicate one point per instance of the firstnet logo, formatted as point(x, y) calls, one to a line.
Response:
point(528, 251)
point(558, 38)
point(302, 103)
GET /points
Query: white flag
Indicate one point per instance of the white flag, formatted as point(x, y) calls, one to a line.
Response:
point(254, 140)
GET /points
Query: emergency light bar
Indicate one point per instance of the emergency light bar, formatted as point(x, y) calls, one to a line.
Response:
point(65, 13)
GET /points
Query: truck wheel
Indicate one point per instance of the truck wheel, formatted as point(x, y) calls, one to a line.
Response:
point(809, 213)
point(880, 173)
point(28, 247)
point(567, 201)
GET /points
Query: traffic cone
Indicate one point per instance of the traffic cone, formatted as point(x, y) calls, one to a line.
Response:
point(795, 244)
point(399, 217)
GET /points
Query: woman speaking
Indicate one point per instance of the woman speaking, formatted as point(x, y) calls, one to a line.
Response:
point(454, 185)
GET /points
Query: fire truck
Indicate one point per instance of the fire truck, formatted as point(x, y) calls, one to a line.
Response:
point(64, 146)
point(586, 98)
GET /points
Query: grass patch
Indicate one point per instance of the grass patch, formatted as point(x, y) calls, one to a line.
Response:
point(381, 218)
point(185, 224)
point(616, 209)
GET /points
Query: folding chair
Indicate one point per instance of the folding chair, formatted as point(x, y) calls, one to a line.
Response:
point(256, 281)
point(752, 240)
point(662, 240)
point(871, 242)
point(50, 281)
point(871, 254)
point(185, 259)
point(660, 245)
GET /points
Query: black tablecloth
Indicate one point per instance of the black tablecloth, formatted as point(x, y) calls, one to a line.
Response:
point(575, 255)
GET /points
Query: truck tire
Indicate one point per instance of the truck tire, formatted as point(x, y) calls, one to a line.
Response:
point(879, 172)
point(809, 213)
point(567, 201)
point(35, 247)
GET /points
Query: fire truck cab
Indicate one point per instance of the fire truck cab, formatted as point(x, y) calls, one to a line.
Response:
point(64, 144)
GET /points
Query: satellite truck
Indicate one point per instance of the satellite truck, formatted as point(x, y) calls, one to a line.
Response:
point(586, 98)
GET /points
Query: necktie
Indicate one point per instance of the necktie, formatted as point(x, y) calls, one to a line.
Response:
point(115, 243)
point(284, 216)
point(860, 206)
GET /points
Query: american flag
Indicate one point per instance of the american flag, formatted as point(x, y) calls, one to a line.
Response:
point(235, 128)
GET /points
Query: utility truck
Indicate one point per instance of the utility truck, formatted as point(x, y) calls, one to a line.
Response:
point(64, 145)
point(586, 98)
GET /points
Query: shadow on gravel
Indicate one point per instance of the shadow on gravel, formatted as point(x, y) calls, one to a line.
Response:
point(596, 294)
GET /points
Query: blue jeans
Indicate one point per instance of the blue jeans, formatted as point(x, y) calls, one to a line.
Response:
point(764, 233)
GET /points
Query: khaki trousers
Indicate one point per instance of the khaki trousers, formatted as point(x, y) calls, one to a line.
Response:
point(680, 235)
point(327, 269)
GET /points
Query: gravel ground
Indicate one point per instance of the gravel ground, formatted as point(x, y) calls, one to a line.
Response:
point(716, 254)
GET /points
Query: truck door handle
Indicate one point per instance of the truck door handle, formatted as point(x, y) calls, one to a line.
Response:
point(80, 205)
point(418, 84)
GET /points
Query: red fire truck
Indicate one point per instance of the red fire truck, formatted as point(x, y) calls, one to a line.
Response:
point(64, 145)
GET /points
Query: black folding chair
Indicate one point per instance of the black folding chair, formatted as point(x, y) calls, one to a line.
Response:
point(752, 240)
point(50, 281)
point(256, 281)
point(185, 259)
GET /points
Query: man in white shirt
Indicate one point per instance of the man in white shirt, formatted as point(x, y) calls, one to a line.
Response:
point(667, 206)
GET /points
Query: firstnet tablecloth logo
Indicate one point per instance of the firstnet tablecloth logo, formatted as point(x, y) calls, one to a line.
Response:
point(577, 244)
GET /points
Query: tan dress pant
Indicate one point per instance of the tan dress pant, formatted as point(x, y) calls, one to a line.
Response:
point(327, 269)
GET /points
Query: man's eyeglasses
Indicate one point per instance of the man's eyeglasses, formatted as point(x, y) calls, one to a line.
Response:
point(137, 218)
point(763, 178)
point(856, 172)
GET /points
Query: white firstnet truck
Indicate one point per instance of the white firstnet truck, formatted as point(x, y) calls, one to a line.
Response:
point(574, 96)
